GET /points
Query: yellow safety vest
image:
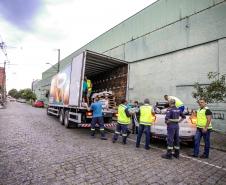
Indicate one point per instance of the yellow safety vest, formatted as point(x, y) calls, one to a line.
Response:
point(89, 84)
point(179, 103)
point(146, 117)
point(122, 117)
point(201, 118)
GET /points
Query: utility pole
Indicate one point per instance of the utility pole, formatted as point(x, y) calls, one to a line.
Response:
point(58, 62)
point(3, 48)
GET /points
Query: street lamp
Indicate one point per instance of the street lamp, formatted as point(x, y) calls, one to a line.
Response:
point(57, 69)
point(58, 61)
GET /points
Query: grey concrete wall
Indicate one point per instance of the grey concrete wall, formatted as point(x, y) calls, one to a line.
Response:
point(176, 72)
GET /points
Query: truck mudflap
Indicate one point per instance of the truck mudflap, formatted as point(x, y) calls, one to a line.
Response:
point(88, 125)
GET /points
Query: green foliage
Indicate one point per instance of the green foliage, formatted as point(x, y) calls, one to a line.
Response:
point(215, 92)
point(26, 94)
point(13, 93)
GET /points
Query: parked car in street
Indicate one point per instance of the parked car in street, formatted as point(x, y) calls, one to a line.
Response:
point(11, 99)
point(38, 103)
point(159, 128)
point(21, 100)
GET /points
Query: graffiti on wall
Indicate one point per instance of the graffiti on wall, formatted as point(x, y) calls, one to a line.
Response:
point(218, 115)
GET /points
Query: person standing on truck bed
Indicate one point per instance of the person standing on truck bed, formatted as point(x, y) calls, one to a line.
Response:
point(147, 114)
point(84, 91)
point(89, 87)
point(172, 119)
point(123, 122)
point(204, 127)
point(179, 103)
point(96, 107)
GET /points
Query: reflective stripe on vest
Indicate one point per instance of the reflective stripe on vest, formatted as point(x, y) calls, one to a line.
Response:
point(179, 103)
point(146, 117)
point(201, 118)
point(89, 85)
point(122, 117)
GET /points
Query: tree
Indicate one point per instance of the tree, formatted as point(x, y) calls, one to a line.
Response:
point(27, 94)
point(13, 93)
point(215, 92)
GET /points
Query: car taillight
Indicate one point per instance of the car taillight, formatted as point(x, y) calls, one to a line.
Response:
point(88, 113)
point(153, 119)
point(193, 119)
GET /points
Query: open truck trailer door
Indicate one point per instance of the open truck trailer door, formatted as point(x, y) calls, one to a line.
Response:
point(107, 75)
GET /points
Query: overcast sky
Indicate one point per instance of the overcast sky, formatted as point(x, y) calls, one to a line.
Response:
point(34, 29)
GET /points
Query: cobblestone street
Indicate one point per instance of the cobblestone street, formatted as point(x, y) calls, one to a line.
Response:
point(37, 149)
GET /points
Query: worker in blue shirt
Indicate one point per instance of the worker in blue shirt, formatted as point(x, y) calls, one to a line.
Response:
point(96, 107)
point(172, 119)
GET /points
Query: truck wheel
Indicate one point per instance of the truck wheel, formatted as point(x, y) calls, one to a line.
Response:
point(66, 119)
point(61, 117)
point(47, 109)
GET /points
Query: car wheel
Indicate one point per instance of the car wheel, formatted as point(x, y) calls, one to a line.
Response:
point(66, 119)
point(191, 143)
point(61, 118)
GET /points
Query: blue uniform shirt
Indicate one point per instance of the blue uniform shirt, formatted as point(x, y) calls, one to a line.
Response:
point(97, 109)
point(174, 113)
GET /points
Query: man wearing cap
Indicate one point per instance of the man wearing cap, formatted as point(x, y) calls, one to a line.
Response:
point(147, 114)
point(179, 104)
point(172, 119)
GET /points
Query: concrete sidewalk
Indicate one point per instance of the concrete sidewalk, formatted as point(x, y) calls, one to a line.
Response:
point(218, 141)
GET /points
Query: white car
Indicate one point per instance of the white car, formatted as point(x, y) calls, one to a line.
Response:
point(186, 132)
point(21, 100)
point(187, 128)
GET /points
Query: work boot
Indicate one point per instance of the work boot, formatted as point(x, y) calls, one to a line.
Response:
point(203, 156)
point(103, 137)
point(113, 139)
point(92, 133)
point(176, 153)
point(128, 133)
point(124, 140)
point(168, 155)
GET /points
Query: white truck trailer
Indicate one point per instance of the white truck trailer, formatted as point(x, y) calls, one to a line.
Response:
point(65, 96)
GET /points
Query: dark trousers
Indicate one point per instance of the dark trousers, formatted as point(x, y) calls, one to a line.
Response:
point(134, 127)
point(173, 136)
point(198, 136)
point(147, 130)
point(100, 121)
point(121, 128)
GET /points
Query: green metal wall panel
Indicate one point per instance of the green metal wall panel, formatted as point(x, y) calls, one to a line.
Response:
point(200, 28)
point(153, 17)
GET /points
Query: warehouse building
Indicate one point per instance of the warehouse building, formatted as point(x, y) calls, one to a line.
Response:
point(169, 45)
